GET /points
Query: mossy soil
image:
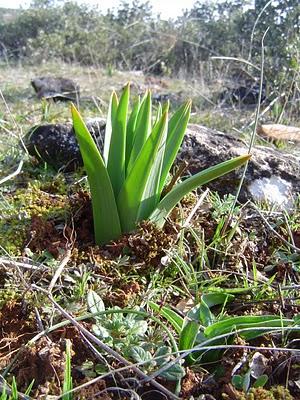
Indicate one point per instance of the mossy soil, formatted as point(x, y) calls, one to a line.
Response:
point(43, 220)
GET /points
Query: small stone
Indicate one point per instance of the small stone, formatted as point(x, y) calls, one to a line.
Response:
point(274, 190)
point(279, 132)
point(56, 88)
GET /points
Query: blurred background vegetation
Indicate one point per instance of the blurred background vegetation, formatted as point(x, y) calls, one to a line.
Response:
point(206, 52)
point(131, 37)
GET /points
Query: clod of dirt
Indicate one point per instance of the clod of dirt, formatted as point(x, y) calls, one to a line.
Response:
point(17, 327)
point(43, 235)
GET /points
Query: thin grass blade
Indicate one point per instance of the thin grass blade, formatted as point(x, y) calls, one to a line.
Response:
point(68, 384)
point(166, 205)
point(105, 212)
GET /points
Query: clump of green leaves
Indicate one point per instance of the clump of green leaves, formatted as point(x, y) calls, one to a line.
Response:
point(127, 333)
point(127, 182)
point(118, 330)
point(243, 382)
point(12, 392)
point(201, 330)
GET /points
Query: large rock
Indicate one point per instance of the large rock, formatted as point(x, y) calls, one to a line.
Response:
point(55, 88)
point(271, 174)
point(56, 144)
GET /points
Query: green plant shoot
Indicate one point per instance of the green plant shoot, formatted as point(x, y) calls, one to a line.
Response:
point(127, 182)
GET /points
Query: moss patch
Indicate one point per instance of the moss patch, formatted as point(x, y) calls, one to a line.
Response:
point(18, 210)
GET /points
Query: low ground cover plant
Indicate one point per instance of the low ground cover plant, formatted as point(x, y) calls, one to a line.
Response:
point(127, 181)
point(201, 328)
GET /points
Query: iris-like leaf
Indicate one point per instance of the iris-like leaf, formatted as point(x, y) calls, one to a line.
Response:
point(152, 192)
point(126, 184)
point(116, 156)
point(177, 127)
point(166, 205)
point(111, 115)
point(131, 194)
point(249, 321)
point(188, 337)
point(131, 130)
point(171, 316)
point(105, 213)
point(158, 114)
point(142, 129)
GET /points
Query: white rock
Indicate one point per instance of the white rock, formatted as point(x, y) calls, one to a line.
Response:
point(273, 190)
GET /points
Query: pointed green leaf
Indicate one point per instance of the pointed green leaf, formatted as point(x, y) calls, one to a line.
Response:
point(171, 316)
point(111, 115)
point(201, 312)
point(142, 130)
point(130, 133)
point(116, 156)
point(131, 194)
point(188, 337)
point(248, 321)
point(105, 213)
point(28, 390)
point(95, 302)
point(166, 205)
point(165, 107)
point(215, 298)
point(158, 114)
point(152, 193)
point(177, 127)
point(261, 381)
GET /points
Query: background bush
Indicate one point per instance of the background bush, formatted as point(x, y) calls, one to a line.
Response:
point(132, 37)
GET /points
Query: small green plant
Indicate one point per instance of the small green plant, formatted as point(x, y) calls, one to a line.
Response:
point(127, 333)
point(243, 382)
point(14, 394)
point(118, 330)
point(201, 327)
point(126, 184)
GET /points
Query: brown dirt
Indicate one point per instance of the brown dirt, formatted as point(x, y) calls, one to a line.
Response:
point(43, 235)
point(17, 326)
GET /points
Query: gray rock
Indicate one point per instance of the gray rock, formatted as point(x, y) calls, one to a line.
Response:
point(271, 175)
point(56, 88)
point(56, 144)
